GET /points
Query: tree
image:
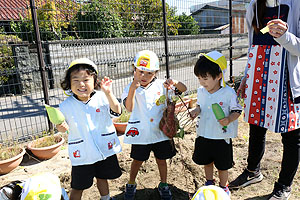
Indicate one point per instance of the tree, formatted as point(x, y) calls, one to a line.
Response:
point(143, 17)
point(53, 18)
point(187, 25)
point(97, 20)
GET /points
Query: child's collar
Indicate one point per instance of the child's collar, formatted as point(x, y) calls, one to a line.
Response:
point(85, 102)
point(146, 87)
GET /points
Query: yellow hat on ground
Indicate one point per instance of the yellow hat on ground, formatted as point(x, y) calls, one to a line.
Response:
point(211, 192)
point(84, 61)
point(41, 186)
point(219, 59)
point(146, 61)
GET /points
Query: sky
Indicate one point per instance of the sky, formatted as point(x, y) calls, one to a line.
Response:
point(184, 5)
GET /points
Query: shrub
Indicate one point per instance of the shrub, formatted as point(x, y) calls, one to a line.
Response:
point(7, 66)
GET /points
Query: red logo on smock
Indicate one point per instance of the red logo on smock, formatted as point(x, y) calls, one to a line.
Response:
point(98, 110)
point(76, 154)
point(110, 145)
point(132, 132)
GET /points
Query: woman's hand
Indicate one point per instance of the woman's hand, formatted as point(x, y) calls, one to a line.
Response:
point(63, 127)
point(242, 87)
point(277, 27)
point(105, 84)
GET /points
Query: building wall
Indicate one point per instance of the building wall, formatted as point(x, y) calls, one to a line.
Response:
point(212, 18)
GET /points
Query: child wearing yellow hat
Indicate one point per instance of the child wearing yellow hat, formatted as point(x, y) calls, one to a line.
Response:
point(92, 139)
point(210, 192)
point(213, 146)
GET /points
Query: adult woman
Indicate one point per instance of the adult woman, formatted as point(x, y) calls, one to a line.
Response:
point(271, 88)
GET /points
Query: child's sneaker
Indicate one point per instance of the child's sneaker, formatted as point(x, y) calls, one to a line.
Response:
point(280, 192)
point(164, 192)
point(130, 191)
point(226, 189)
point(246, 178)
point(209, 182)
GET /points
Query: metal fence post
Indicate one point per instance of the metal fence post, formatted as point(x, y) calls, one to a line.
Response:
point(166, 38)
point(40, 56)
point(230, 41)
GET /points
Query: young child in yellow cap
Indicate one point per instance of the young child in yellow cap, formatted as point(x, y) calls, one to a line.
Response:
point(213, 146)
point(142, 97)
point(92, 139)
point(210, 192)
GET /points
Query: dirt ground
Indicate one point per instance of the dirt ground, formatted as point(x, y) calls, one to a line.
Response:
point(184, 176)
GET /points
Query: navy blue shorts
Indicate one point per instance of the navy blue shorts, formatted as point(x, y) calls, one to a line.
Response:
point(162, 150)
point(83, 175)
point(210, 150)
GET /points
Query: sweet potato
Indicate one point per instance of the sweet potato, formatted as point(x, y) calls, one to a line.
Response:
point(169, 123)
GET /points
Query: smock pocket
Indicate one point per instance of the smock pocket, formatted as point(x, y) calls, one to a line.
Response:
point(108, 143)
point(133, 128)
point(76, 151)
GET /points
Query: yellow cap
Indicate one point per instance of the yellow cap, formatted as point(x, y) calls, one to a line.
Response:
point(41, 186)
point(211, 192)
point(219, 59)
point(146, 61)
point(84, 61)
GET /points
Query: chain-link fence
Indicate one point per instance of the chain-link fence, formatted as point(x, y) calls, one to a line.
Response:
point(39, 38)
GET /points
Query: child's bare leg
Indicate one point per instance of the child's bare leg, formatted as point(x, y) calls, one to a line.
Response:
point(102, 186)
point(76, 194)
point(135, 166)
point(162, 167)
point(209, 171)
point(223, 176)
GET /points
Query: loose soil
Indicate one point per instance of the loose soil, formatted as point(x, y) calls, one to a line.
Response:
point(184, 176)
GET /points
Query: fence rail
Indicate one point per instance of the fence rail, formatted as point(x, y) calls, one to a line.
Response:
point(35, 51)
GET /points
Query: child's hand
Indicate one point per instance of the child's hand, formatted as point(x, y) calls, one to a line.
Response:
point(224, 122)
point(63, 127)
point(136, 81)
point(105, 84)
point(194, 113)
point(169, 83)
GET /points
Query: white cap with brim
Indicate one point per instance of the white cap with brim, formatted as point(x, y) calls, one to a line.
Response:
point(211, 192)
point(219, 59)
point(84, 61)
point(146, 61)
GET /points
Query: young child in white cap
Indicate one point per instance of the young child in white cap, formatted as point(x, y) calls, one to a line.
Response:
point(92, 140)
point(213, 146)
point(141, 97)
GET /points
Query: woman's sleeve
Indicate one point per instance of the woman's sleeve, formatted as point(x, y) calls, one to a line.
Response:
point(249, 17)
point(290, 42)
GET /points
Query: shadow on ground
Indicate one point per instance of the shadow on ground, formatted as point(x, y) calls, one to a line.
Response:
point(152, 194)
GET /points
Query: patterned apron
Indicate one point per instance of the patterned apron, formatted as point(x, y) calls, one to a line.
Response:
point(268, 101)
